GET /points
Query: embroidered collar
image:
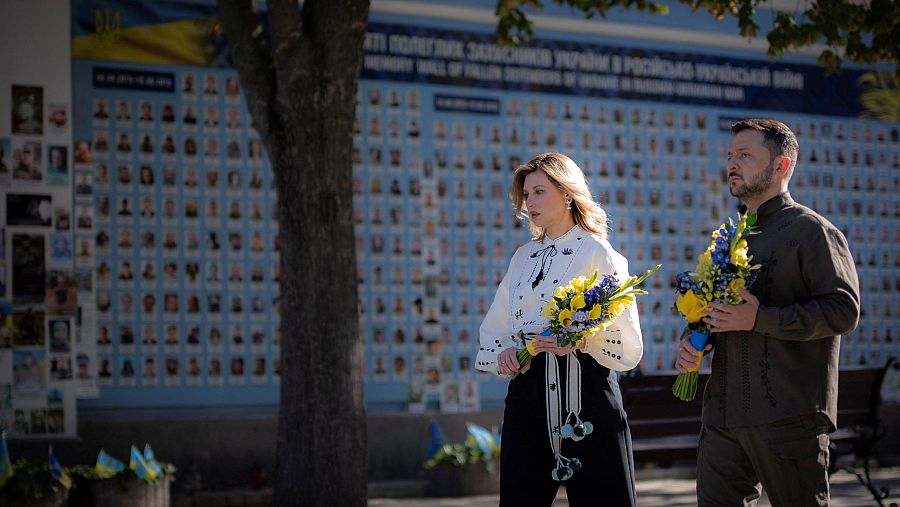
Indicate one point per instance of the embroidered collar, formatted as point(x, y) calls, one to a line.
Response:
point(567, 235)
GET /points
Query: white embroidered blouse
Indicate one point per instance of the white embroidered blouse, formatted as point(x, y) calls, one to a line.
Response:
point(535, 270)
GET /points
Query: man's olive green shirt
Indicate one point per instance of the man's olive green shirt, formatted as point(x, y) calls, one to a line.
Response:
point(808, 292)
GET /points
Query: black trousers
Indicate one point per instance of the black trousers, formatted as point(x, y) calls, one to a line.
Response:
point(789, 458)
point(527, 459)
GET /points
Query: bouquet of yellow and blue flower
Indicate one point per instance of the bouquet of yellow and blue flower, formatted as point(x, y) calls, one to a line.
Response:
point(585, 306)
point(721, 270)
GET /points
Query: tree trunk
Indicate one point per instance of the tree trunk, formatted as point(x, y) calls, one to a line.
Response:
point(301, 90)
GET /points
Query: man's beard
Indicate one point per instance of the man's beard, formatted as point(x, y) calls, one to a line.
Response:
point(752, 188)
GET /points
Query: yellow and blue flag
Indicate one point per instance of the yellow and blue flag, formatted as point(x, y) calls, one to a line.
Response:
point(438, 438)
point(140, 467)
point(167, 33)
point(107, 466)
point(150, 458)
point(484, 439)
point(6, 470)
point(56, 470)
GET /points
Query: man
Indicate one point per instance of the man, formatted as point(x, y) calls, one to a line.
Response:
point(772, 397)
point(58, 162)
point(27, 167)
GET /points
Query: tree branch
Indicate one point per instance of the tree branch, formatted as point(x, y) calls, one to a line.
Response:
point(863, 32)
point(341, 36)
point(252, 59)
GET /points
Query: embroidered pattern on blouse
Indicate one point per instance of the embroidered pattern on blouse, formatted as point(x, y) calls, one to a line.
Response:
point(545, 253)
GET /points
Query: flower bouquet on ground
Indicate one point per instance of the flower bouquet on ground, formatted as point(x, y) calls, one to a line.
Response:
point(721, 270)
point(585, 306)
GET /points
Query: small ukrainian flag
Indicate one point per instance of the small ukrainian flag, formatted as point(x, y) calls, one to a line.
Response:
point(484, 439)
point(438, 438)
point(150, 458)
point(56, 470)
point(6, 469)
point(107, 466)
point(140, 467)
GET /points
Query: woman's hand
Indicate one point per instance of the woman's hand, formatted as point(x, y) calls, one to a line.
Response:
point(508, 363)
point(549, 344)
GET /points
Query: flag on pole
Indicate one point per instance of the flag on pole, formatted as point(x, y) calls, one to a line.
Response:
point(484, 438)
point(107, 466)
point(150, 458)
point(140, 467)
point(438, 438)
point(56, 470)
point(6, 470)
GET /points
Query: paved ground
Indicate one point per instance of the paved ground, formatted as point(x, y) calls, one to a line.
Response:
point(845, 492)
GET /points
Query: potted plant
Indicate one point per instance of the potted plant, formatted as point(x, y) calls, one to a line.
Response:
point(145, 482)
point(33, 485)
point(464, 468)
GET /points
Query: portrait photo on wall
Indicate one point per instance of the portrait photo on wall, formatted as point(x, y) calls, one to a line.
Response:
point(58, 116)
point(62, 291)
point(29, 268)
point(29, 372)
point(27, 110)
point(58, 165)
point(29, 210)
point(28, 328)
point(26, 160)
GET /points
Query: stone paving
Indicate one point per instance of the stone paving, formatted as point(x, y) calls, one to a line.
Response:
point(845, 492)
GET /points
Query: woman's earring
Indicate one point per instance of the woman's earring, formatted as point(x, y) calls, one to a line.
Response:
point(568, 204)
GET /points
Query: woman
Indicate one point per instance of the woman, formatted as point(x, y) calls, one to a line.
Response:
point(569, 240)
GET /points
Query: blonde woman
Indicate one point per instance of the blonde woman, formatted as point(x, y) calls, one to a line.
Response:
point(561, 385)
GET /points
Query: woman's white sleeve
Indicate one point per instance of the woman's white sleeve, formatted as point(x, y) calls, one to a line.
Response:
point(495, 334)
point(621, 345)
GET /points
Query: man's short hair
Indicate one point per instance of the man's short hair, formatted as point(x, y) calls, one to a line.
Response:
point(778, 137)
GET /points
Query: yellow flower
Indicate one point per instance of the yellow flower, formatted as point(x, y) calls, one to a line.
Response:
point(618, 306)
point(560, 292)
point(577, 302)
point(530, 347)
point(596, 311)
point(737, 283)
point(704, 262)
point(578, 283)
point(739, 256)
point(564, 317)
point(690, 306)
point(550, 309)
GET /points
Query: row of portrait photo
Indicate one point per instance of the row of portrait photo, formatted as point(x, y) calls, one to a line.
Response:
point(178, 370)
point(31, 162)
point(97, 178)
point(174, 304)
point(210, 335)
point(43, 417)
point(170, 148)
point(130, 110)
point(211, 274)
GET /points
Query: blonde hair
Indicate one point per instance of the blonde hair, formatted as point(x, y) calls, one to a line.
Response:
point(565, 174)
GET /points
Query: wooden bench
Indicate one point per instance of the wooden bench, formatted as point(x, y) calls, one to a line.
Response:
point(664, 428)
point(859, 424)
